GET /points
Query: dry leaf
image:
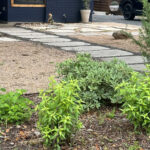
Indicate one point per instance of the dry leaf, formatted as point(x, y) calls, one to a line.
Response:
point(17, 139)
point(25, 126)
point(6, 139)
point(22, 134)
point(97, 147)
point(7, 130)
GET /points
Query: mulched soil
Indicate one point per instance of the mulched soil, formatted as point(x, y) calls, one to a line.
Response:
point(99, 132)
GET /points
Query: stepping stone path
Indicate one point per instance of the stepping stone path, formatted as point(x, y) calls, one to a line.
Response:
point(73, 45)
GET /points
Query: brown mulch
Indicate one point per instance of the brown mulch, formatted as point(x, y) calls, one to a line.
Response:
point(107, 40)
point(99, 132)
point(26, 65)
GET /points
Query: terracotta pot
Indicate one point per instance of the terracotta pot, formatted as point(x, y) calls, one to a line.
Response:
point(85, 15)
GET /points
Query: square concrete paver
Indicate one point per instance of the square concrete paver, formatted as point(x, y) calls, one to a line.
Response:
point(61, 44)
point(128, 59)
point(85, 48)
point(138, 67)
point(108, 53)
point(47, 40)
point(37, 37)
point(27, 34)
point(6, 39)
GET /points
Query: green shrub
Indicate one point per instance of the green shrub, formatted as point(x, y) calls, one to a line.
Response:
point(59, 112)
point(136, 97)
point(97, 80)
point(13, 107)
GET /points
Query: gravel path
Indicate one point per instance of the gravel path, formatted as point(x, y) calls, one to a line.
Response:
point(28, 66)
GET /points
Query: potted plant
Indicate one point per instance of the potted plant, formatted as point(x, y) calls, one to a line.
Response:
point(85, 12)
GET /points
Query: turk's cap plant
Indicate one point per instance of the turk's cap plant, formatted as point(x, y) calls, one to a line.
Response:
point(135, 96)
point(59, 112)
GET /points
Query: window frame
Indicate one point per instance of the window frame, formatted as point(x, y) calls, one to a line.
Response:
point(27, 5)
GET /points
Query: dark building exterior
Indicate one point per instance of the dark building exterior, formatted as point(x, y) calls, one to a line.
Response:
point(38, 10)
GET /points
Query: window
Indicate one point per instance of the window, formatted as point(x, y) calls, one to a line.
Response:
point(28, 3)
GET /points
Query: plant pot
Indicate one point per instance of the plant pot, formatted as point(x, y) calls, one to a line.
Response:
point(85, 15)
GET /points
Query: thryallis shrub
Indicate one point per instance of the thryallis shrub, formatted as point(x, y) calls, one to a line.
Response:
point(59, 112)
point(136, 98)
point(97, 80)
point(14, 108)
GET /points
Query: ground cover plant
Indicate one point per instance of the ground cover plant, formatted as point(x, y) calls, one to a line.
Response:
point(14, 108)
point(136, 99)
point(97, 80)
point(59, 112)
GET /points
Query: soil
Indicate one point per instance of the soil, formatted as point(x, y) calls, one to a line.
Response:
point(107, 40)
point(26, 65)
point(99, 132)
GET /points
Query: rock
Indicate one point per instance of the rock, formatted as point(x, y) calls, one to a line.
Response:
point(37, 133)
point(120, 35)
point(35, 141)
point(125, 120)
point(89, 130)
point(18, 126)
point(2, 137)
point(12, 143)
point(93, 148)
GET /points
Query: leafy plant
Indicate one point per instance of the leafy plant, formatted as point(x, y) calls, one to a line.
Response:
point(14, 108)
point(111, 114)
point(135, 146)
point(86, 4)
point(97, 80)
point(136, 97)
point(59, 112)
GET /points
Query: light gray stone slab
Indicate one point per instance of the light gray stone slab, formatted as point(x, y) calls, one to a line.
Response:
point(48, 40)
point(6, 39)
point(60, 31)
point(61, 44)
point(108, 53)
point(85, 48)
point(37, 36)
point(13, 30)
point(128, 59)
point(66, 33)
point(17, 32)
point(138, 67)
point(27, 34)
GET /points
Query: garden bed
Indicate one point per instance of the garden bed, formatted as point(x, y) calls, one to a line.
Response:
point(100, 132)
